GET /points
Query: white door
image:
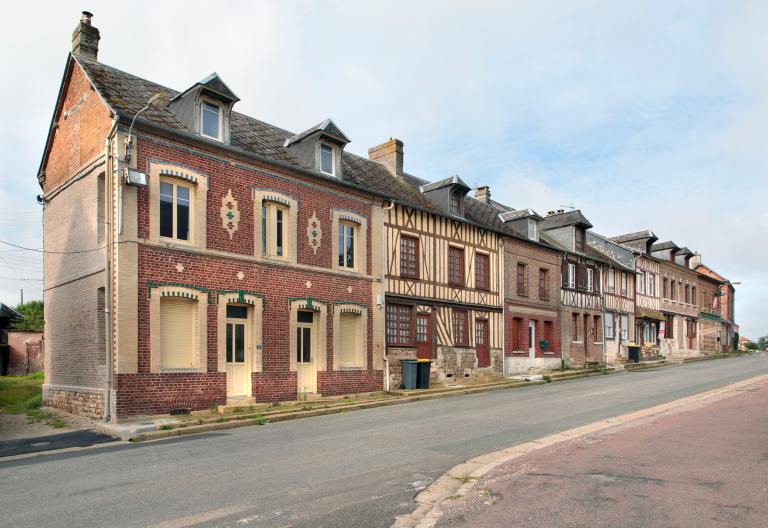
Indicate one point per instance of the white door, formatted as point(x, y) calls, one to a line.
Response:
point(306, 363)
point(532, 339)
point(238, 352)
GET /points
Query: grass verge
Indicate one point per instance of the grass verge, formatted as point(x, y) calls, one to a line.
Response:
point(24, 394)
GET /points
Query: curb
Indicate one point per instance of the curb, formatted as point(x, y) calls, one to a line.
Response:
point(459, 480)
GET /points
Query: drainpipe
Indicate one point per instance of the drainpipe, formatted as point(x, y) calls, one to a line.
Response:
point(108, 181)
point(502, 296)
point(384, 302)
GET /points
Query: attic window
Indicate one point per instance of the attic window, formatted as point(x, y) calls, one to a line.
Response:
point(327, 164)
point(455, 203)
point(211, 120)
point(533, 229)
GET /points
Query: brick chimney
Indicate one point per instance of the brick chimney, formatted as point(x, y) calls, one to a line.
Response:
point(389, 154)
point(483, 194)
point(85, 38)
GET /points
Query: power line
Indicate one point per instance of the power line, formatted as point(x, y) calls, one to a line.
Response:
point(53, 252)
point(18, 279)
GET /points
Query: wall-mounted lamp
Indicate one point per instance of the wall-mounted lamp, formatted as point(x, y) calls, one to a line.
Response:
point(158, 102)
point(379, 304)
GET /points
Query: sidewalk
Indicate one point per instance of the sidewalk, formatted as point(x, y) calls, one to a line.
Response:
point(705, 466)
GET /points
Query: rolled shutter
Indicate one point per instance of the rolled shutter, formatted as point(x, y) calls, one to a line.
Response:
point(348, 338)
point(178, 324)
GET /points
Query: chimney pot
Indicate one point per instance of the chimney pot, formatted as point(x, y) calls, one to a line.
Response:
point(389, 154)
point(483, 194)
point(85, 38)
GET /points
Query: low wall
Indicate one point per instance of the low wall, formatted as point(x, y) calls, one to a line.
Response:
point(522, 365)
point(83, 402)
point(26, 352)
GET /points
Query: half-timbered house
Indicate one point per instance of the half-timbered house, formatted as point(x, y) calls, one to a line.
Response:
point(619, 294)
point(581, 299)
point(443, 299)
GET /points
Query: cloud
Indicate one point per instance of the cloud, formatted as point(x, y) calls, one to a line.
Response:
point(650, 114)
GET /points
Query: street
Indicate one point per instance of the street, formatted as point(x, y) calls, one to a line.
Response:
point(354, 470)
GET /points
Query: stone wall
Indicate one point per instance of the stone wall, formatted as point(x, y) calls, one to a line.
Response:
point(85, 403)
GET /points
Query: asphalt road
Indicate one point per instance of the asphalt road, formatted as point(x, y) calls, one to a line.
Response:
point(354, 470)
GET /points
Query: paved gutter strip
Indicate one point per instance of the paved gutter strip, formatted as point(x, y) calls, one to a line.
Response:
point(459, 480)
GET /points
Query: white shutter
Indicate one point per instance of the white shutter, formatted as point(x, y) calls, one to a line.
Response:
point(348, 323)
point(178, 325)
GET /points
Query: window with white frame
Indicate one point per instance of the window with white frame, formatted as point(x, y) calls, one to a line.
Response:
point(533, 229)
point(641, 282)
point(609, 326)
point(274, 223)
point(347, 242)
point(611, 281)
point(210, 120)
point(652, 285)
point(571, 275)
point(590, 279)
point(175, 210)
point(624, 291)
point(178, 323)
point(327, 161)
point(624, 321)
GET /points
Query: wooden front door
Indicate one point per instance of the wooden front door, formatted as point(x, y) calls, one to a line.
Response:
point(424, 336)
point(238, 352)
point(306, 360)
point(481, 343)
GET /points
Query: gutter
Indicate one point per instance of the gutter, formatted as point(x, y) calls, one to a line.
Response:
point(108, 238)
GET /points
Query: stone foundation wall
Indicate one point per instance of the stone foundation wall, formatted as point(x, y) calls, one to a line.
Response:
point(90, 404)
point(459, 365)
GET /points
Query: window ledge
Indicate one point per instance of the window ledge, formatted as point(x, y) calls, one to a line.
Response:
point(186, 370)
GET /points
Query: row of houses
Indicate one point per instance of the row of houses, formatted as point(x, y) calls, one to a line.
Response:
point(195, 255)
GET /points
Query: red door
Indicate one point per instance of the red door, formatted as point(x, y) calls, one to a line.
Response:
point(424, 336)
point(481, 343)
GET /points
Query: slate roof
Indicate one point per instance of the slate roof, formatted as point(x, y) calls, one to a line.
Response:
point(214, 83)
point(664, 245)
point(637, 235)
point(8, 312)
point(327, 126)
point(126, 94)
point(452, 180)
point(516, 215)
point(565, 219)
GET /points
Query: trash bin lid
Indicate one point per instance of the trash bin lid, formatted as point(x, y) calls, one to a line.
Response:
point(408, 361)
point(424, 360)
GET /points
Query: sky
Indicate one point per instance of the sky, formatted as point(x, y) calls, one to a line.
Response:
point(644, 114)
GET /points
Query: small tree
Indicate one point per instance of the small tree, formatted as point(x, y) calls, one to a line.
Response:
point(32, 316)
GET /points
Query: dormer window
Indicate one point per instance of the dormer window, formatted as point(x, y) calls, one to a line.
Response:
point(455, 201)
point(327, 155)
point(579, 239)
point(533, 230)
point(210, 120)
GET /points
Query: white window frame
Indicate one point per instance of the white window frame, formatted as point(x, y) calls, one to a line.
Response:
point(342, 240)
point(203, 102)
point(590, 280)
point(333, 158)
point(611, 281)
point(641, 282)
point(609, 321)
point(652, 284)
point(571, 275)
point(533, 229)
point(176, 183)
point(624, 322)
point(271, 209)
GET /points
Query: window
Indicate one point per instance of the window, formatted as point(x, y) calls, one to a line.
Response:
point(652, 285)
point(571, 277)
point(517, 325)
point(211, 120)
point(624, 326)
point(687, 294)
point(590, 279)
point(456, 266)
point(175, 210)
point(665, 288)
point(669, 326)
point(693, 295)
point(640, 282)
point(178, 321)
point(609, 326)
point(533, 229)
point(348, 342)
point(575, 327)
point(579, 239)
point(672, 292)
point(455, 203)
point(521, 282)
point(399, 324)
point(543, 284)
point(611, 281)
point(460, 324)
point(304, 336)
point(598, 326)
point(650, 334)
point(274, 219)
point(346, 249)
point(482, 270)
point(327, 164)
point(409, 257)
point(623, 284)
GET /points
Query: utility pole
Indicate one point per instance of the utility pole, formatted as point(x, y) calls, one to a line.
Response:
point(22, 295)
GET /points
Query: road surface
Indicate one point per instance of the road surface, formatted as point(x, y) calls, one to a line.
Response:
point(356, 469)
